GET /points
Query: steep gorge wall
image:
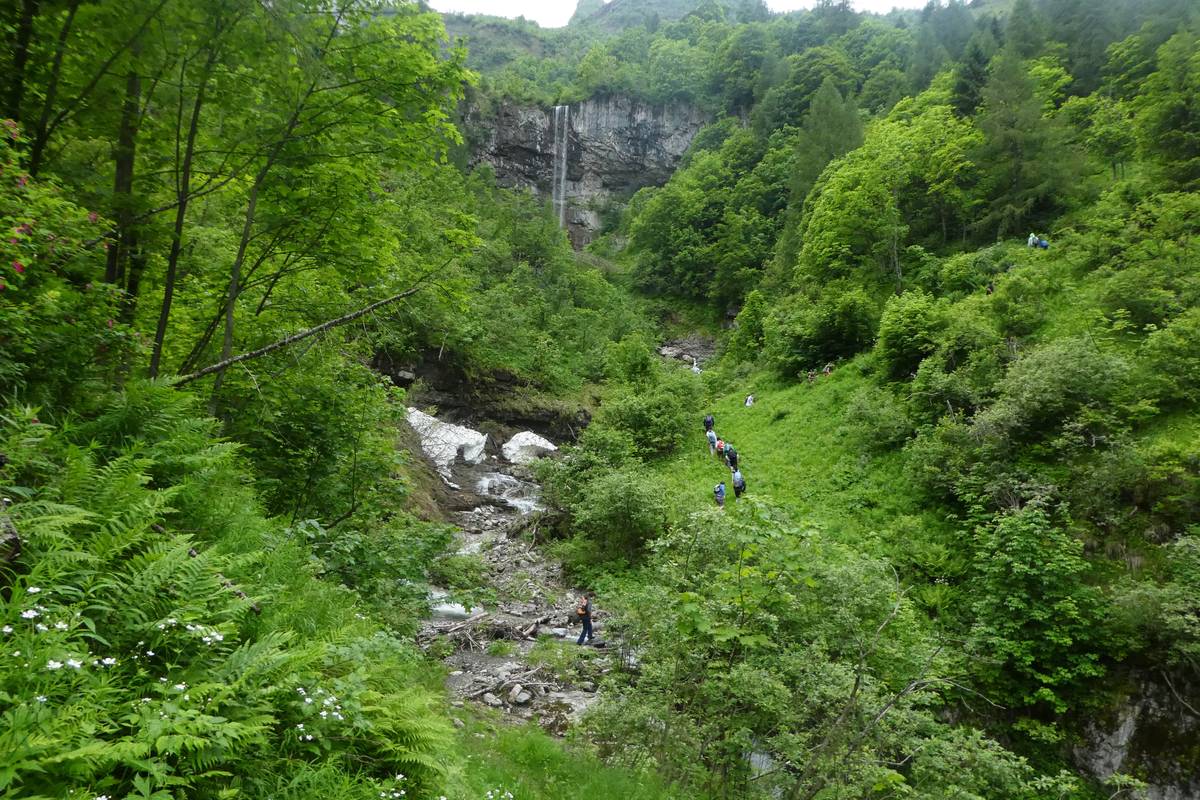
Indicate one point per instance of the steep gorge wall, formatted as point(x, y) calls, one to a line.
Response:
point(615, 146)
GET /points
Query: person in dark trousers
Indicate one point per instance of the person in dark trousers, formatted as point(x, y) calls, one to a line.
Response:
point(712, 442)
point(739, 483)
point(731, 456)
point(584, 611)
point(709, 422)
point(719, 494)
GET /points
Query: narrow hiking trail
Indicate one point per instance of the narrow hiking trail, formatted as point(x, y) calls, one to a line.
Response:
point(514, 651)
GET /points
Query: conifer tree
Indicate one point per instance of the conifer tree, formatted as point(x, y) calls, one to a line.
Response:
point(971, 75)
point(1029, 166)
point(1024, 34)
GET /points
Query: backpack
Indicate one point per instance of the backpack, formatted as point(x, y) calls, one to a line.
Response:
point(720, 446)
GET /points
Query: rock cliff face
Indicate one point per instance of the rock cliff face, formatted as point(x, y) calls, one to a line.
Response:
point(614, 146)
point(1151, 735)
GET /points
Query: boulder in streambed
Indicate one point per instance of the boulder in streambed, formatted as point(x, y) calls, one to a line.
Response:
point(525, 447)
point(445, 442)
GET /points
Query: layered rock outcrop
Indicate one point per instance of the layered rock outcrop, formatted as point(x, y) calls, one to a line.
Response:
point(614, 146)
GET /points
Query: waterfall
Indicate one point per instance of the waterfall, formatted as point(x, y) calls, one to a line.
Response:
point(562, 128)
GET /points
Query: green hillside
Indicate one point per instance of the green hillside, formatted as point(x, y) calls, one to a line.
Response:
point(238, 242)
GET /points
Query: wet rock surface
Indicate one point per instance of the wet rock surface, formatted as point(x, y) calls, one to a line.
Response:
point(528, 600)
point(615, 146)
point(694, 349)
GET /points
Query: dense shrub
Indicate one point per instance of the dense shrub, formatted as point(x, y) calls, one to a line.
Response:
point(651, 420)
point(1050, 384)
point(908, 332)
point(1036, 622)
point(1170, 360)
point(803, 333)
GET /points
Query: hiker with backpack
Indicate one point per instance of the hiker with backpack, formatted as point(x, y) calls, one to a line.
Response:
point(719, 494)
point(712, 441)
point(721, 449)
point(739, 484)
point(709, 422)
point(583, 610)
point(731, 456)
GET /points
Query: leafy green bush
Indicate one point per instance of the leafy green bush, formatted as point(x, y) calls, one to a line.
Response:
point(651, 420)
point(1049, 384)
point(623, 510)
point(1036, 621)
point(908, 331)
point(878, 418)
point(61, 337)
point(1170, 360)
point(804, 333)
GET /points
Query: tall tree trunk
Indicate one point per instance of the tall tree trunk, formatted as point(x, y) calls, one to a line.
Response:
point(47, 125)
point(124, 241)
point(183, 190)
point(16, 89)
point(48, 101)
point(235, 273)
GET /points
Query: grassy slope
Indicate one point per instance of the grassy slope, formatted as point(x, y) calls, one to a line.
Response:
point(795, 452)
point(534, 766)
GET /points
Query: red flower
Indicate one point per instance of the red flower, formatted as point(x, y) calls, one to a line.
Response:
point(93, 216)
point(19, 267)
point(110, 323)
point(21, 181)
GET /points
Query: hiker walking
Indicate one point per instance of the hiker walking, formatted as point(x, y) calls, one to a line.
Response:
point(1032, 241)
point(584, 611)
point(749, 400)
point(721, 448)
point(719, 494)
point(712, 441)
point(739, 484)
point(731, 456)
point(709, 422)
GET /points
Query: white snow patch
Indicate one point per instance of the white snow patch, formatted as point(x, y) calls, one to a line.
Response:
point(445, 442)
point(527, 446)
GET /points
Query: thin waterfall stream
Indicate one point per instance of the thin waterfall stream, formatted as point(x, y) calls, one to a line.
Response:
point(562, 130)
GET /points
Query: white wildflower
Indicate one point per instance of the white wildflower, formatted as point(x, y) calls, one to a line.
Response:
point(149, 652)
point(33, 590)
point(7, 629)
point(29, 613)
point(299, 726)
point(74, 663)
point(40, 628)
point(52, 664)
point(308, 737)
point(41, 698)
point(179, 687)
point(60, 626)
point(108, 662)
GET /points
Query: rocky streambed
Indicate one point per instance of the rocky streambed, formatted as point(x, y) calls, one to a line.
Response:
point(501, 652)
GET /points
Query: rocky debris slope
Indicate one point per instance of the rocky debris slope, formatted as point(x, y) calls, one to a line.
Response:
point(692, 349)
point(529, 599)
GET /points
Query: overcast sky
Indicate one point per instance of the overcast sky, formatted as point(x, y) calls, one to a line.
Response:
point(555, 13)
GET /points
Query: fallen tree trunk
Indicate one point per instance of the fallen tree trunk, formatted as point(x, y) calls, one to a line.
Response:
point(221, 366)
